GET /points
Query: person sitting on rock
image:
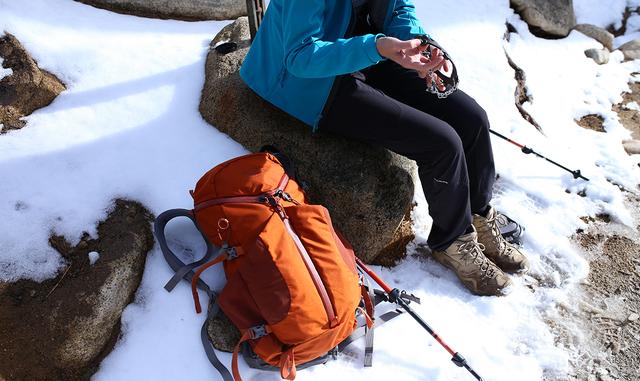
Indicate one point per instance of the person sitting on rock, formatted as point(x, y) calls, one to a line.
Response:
point(356, 69)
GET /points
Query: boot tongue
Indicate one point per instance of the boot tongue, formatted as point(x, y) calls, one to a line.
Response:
point(491, 213)
point(473, 236)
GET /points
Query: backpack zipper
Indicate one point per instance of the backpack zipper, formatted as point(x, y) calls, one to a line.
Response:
point(311, 268)
point(259, 199)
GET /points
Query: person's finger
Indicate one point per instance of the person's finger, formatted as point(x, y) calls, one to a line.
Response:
point(413, 62)
point(438, 53)
point(408, 45)
point(440, 65)
point(418, 66)
point(416, 49)
point(441, 85)
point(435, 63)
point(446, 66)
point(435, 52)
point(424, 59)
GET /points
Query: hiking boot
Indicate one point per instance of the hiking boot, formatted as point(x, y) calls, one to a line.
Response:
point(501, 252)
point(481, 276)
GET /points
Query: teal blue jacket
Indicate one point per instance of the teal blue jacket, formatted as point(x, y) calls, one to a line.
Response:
point(300, 49)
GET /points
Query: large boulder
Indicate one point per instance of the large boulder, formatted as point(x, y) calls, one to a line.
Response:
point(547, 18)
point(62, 328)
point(631, 50)
point(603, 36)
point(190, 10)
point(368, 190)
point(24, 87)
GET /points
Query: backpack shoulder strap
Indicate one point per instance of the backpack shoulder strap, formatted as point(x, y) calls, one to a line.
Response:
point(182, 270)
point(206, 343)
point(186, 272)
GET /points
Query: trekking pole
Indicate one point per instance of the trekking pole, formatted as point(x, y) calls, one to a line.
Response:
point(395, 297)
point(526, 150)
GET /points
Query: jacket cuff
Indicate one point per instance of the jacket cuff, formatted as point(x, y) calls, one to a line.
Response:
point(371, 49)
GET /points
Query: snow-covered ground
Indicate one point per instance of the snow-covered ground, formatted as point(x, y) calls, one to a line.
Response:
point(128, 126)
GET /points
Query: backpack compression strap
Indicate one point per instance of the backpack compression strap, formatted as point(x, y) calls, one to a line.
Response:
point(250, 334)
point(185, 271)
point(222, 255)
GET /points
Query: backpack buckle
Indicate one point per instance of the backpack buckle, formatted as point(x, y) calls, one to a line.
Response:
point(258, 331)
point(232, 253)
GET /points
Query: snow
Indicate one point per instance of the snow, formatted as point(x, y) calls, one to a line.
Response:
point(632, 106)
point(598, 13)
point(633, 23)
point(128, 126)
point(4, 72)
point(93, 257)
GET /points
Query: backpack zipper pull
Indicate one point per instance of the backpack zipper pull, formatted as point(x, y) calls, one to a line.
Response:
point(285, 196)
point(271, 200)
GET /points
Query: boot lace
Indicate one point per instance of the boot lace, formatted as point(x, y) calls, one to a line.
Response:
point(474, 250)
point(494, 223)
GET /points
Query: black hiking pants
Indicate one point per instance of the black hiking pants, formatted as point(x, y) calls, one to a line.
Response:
point(388, 105)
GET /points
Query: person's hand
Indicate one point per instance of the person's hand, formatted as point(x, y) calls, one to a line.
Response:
point(431, 76)
point(408, 54)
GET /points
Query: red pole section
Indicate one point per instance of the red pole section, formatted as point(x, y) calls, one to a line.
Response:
point(395, 296)
point(373, 276)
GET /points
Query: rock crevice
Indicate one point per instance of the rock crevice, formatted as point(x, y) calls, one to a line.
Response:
point(521, 93)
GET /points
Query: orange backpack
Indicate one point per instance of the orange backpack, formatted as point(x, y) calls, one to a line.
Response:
point(293, 289)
